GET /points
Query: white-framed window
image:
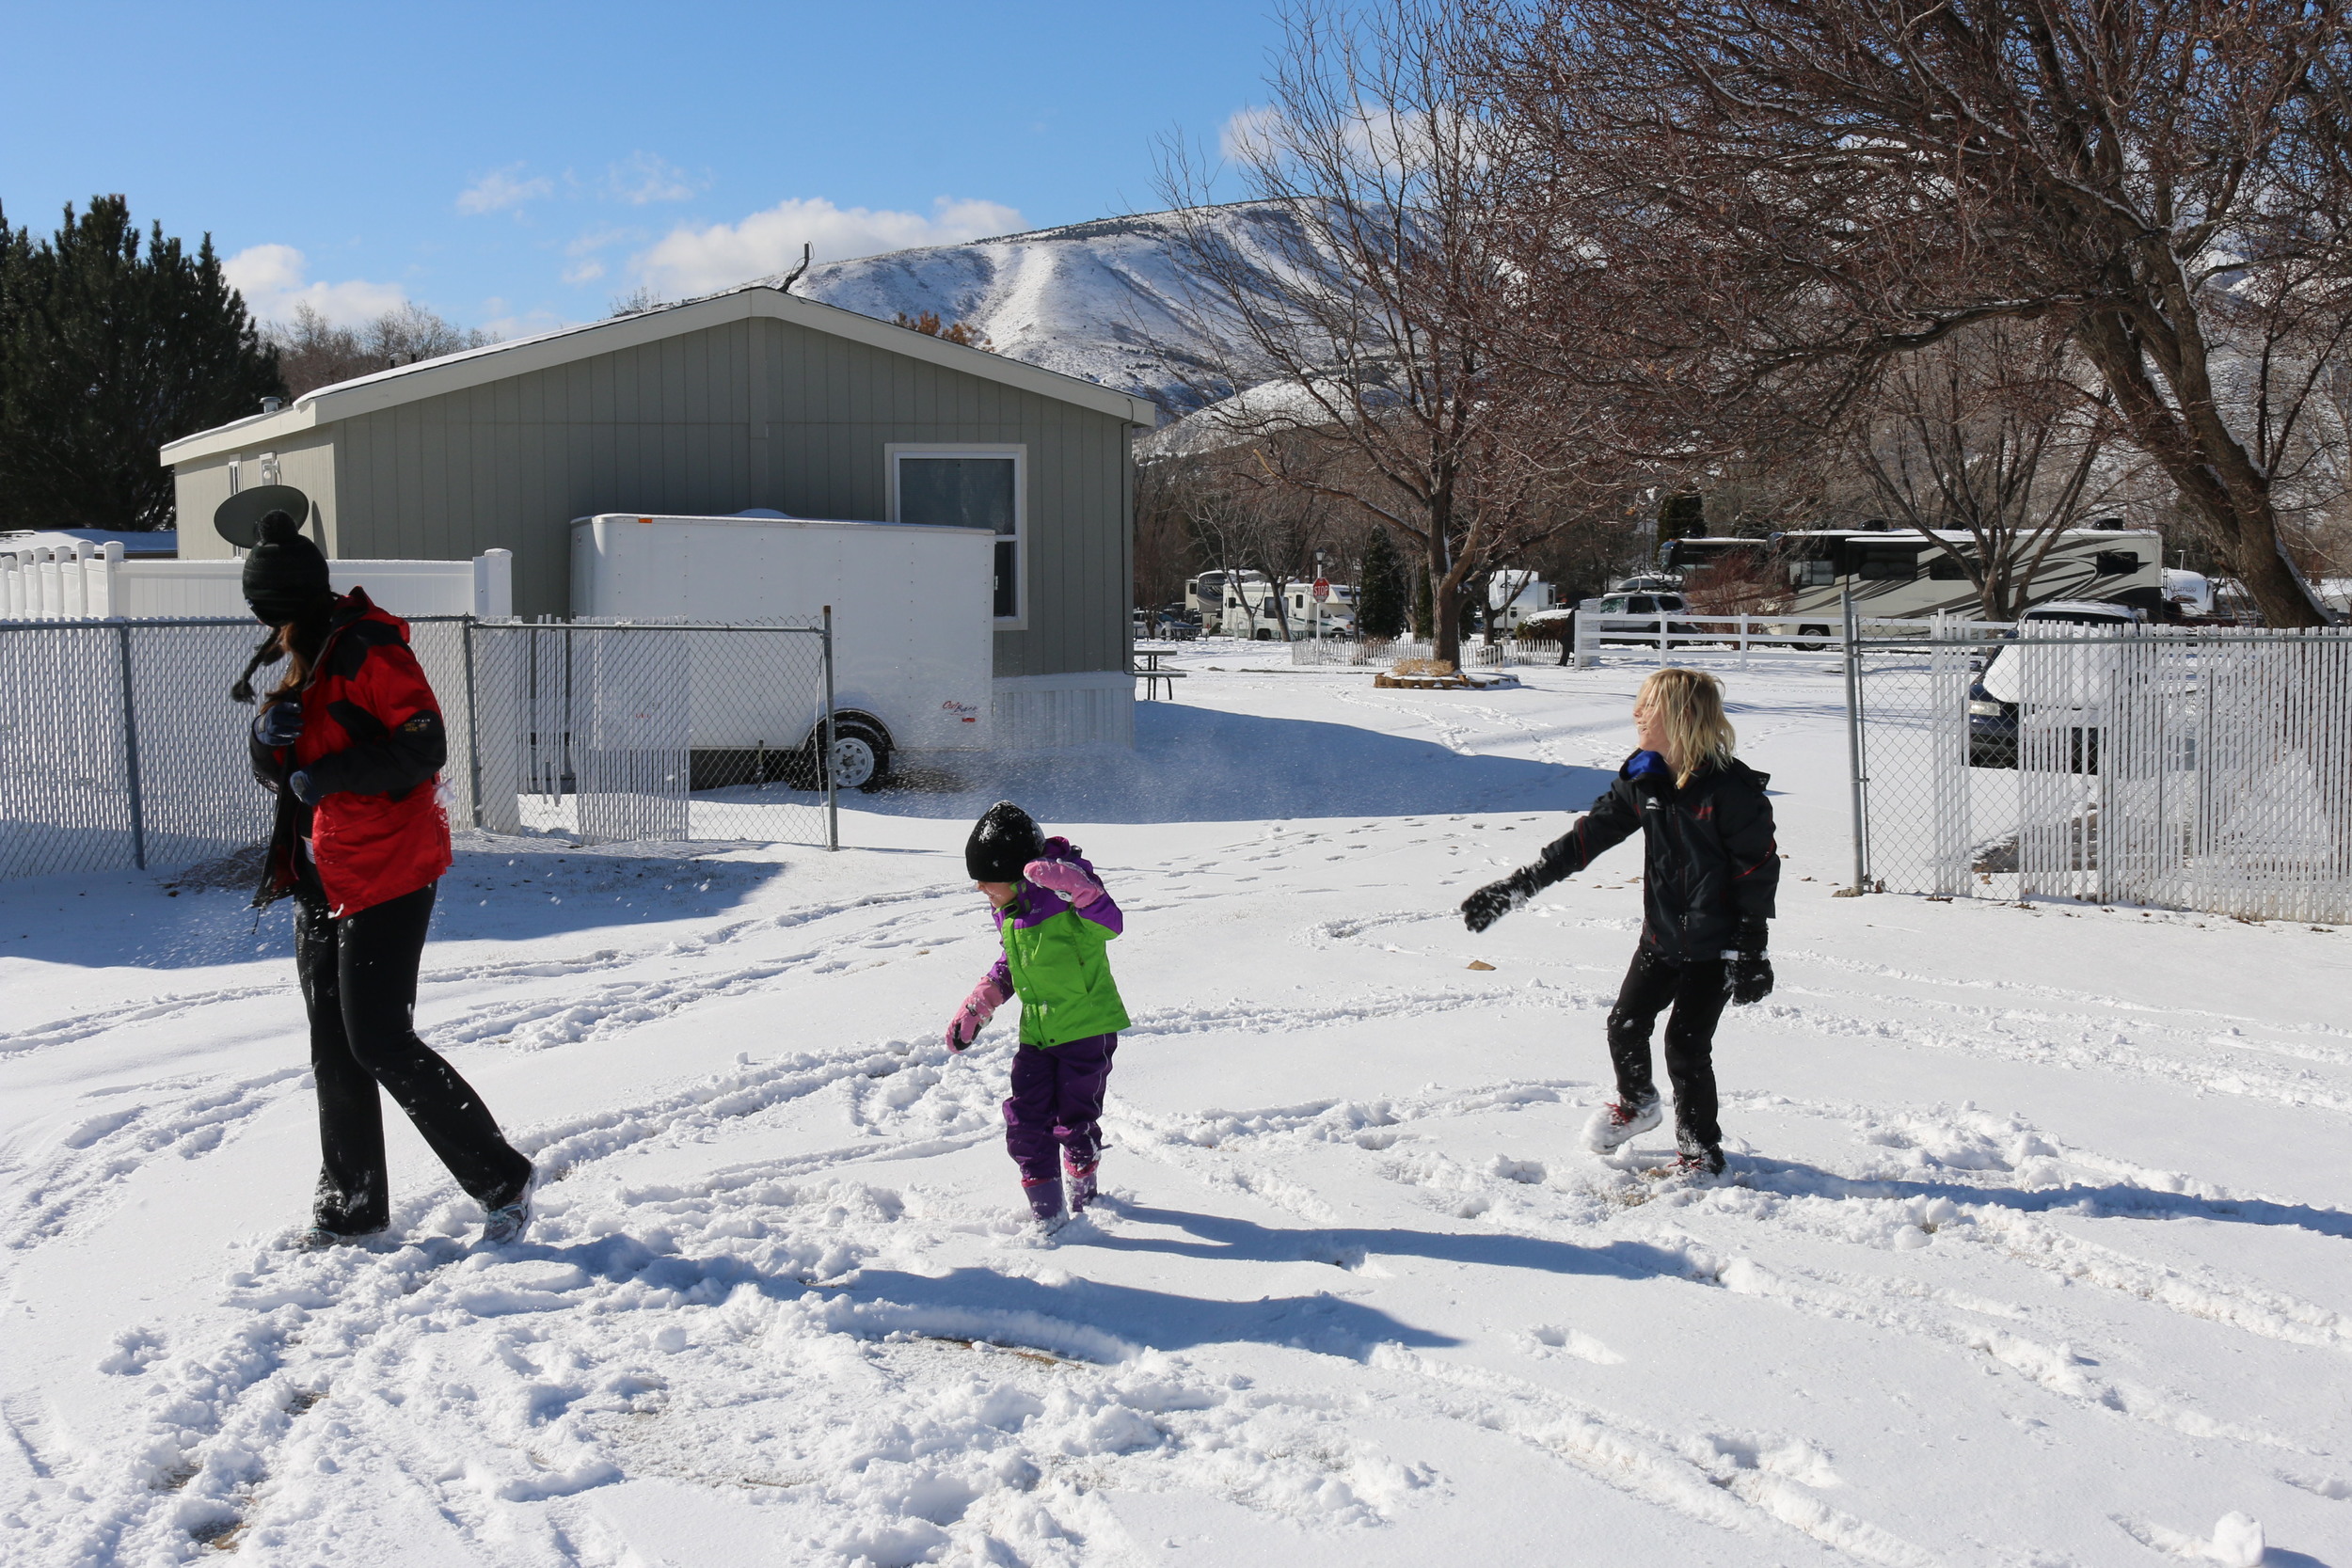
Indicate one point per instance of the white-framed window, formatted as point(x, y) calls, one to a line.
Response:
point(971, 485)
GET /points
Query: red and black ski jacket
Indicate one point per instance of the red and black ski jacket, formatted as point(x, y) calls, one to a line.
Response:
point(1709, 861)
point(373, 744)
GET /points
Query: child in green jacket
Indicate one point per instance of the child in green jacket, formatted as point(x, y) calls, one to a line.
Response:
point(1055, 921)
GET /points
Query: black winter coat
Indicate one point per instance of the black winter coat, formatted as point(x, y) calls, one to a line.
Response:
point(1710, 865)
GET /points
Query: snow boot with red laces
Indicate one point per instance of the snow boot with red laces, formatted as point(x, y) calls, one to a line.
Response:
point(1044, 1200)
point(1694, 1158)
point(1082, 1189)
point(1618, 1122)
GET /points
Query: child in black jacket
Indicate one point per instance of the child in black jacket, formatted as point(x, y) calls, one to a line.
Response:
point(1709, 871)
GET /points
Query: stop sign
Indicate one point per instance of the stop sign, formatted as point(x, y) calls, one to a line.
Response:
point(1322, 588)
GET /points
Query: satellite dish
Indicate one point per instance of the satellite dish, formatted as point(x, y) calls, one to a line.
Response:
point(238, 520)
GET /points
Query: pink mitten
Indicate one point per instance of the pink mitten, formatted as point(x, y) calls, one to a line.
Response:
point(974, 1015)
point(1063, 877)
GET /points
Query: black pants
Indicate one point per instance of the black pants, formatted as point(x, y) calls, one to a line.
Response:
point(1695, 991)
point(359, 983)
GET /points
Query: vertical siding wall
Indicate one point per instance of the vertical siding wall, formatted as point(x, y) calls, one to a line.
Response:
point(307, 461)
point(750, 413)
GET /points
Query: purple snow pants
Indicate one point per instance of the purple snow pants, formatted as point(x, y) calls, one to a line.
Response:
point(1057, 1099)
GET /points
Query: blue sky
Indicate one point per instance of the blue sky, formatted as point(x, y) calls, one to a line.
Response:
point(518, 165)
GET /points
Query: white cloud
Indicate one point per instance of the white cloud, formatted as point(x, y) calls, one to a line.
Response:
point(274, 278)
point(1248, 131)
point(642, 177)
point(587, 266)
point(691, 260)
point(503, 188)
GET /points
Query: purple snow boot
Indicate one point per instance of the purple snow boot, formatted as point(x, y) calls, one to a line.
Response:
point(1044, 1199)
point(1082, 1189)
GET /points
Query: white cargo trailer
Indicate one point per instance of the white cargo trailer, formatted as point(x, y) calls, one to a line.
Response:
point(912, 612)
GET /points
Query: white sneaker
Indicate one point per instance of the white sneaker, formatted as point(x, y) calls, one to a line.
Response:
point(1617, 1123)
point(504, 1225)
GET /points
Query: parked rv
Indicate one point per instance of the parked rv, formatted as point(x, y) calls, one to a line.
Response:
point(1511, 598)
point(1900, 574)
point(1336, 618)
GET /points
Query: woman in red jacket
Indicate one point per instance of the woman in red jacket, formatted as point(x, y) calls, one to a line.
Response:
point(351, 740)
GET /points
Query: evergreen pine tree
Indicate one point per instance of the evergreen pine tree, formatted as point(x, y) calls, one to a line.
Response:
point(105, 354)
point(1683, 516)
point(1380, 596)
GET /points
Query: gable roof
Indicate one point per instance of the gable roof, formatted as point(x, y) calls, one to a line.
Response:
point(453, 372)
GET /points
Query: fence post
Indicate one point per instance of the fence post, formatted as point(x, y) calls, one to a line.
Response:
point(473, 728)
point(131, 749)
point(1854, 743)
point(833, 801)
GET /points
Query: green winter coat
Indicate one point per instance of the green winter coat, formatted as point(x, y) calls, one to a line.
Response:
point(1060, 967)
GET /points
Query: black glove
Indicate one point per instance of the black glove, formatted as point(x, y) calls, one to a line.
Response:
point(1496, 899)
point(279, 725)
point(305, 788)
point(1749, 975)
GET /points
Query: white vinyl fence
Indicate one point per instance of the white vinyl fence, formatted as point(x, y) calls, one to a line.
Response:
point(95, 582)
point(2178, 768)
point(1688, 635)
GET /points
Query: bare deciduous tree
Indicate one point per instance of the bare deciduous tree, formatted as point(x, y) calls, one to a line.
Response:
point(312, 352)
point(1775, 196)
point(1363, 330)
point(1987, 435)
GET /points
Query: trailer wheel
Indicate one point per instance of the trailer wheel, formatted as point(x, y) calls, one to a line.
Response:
point(1810, 648)
point(860, 753)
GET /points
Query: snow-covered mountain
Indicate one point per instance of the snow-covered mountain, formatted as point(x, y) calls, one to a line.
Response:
point(1108, 301)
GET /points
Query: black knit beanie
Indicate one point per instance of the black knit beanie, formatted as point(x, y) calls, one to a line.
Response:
point(285, 573)
point(285, 579)
point(1003, 841)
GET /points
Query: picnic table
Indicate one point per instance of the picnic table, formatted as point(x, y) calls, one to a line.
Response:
point(1147, 670)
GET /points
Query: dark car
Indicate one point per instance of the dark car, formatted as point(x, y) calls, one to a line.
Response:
point(1993, 721)
point(1179, 624)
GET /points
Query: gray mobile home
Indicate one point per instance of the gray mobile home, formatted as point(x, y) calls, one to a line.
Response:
point(748, 399)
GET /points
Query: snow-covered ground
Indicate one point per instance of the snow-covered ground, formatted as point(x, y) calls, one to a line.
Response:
point(2036, 1248)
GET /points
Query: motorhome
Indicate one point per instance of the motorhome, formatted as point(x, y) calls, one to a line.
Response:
point(1208, 594)
point(1897, 573)
point(1336, 617)
point(1511, 597)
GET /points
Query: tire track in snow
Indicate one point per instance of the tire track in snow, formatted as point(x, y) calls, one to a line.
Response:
point(1732, 1485)
point(2138, 1041)
point(64, 1188)
point(95, 1157)
point(1854, 1210)
point(221, 1408)
point(150, 1010)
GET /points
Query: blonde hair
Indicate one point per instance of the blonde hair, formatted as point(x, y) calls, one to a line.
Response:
point(1690, 707)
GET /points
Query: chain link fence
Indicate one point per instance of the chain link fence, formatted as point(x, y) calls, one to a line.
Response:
point(634, 733)
point(2179, 768)
point(120, 749)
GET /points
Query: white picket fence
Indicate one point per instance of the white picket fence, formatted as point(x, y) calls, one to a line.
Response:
point(1475, 655)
